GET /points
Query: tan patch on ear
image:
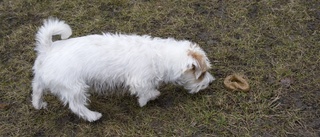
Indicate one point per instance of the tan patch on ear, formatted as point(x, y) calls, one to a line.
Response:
point(200, 59)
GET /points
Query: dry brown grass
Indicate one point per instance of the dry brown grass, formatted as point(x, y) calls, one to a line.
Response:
point(274, 43)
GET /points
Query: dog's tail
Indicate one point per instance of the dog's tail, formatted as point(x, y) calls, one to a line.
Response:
point(51, 26)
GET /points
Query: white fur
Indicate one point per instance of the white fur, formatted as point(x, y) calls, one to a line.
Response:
point(69, 67)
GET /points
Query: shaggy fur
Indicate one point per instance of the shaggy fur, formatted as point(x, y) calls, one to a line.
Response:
point(68, 67)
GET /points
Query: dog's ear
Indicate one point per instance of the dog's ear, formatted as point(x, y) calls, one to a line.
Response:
point(199, 66)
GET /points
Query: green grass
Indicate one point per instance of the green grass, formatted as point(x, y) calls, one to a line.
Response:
point(275, 43)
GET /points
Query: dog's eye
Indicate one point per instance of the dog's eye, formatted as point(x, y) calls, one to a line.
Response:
point(202, 75)
point(193, 67)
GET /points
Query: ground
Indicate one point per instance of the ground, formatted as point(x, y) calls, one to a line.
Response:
point(274, 43)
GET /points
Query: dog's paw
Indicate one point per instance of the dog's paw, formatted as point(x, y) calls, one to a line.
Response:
point(94, 116)
point(41, 105)
point(44, 105)
point(142, 102)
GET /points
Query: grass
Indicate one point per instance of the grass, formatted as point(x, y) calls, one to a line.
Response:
point(275, 43)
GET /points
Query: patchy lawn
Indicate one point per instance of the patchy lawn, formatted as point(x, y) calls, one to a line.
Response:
point(274, 43)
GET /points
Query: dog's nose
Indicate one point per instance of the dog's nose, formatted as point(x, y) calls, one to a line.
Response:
point(210, 83)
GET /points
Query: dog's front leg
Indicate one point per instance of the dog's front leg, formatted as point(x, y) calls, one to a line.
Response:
point(147, 96)
point(145, 91)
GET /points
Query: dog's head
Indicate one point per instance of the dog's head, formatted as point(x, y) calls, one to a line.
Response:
point(196, 76)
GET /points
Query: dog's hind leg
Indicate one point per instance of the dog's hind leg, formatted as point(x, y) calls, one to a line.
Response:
point(37, 94)
point(82, 111)
point(77, 102)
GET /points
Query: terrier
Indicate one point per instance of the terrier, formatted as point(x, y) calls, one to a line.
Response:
point(69, 67)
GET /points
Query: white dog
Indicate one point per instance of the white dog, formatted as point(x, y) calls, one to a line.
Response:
point(68, 67)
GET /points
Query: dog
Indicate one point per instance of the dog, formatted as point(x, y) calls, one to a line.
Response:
point(69, 67)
